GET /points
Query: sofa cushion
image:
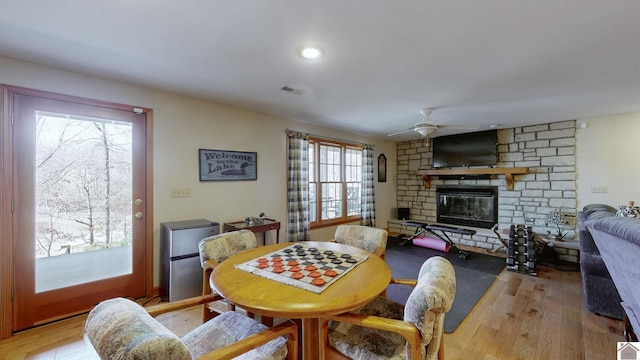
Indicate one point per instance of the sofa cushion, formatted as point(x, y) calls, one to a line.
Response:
point(633, 317)
point(621, 227)
point(618, 239)
point(600, 293)
point(598, 207)
point(587, 245)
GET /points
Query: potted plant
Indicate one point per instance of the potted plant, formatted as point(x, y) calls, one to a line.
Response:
point(556, 217)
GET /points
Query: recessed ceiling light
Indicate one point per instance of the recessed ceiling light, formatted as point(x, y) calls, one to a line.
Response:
point(310, 52)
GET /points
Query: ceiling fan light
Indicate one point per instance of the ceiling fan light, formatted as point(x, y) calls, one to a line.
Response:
point(423, 131)
point(426, 112)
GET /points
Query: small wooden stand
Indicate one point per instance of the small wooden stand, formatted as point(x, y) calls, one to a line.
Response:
point(262, 227)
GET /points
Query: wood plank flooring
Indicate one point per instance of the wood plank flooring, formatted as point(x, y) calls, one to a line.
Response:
point(520, 317)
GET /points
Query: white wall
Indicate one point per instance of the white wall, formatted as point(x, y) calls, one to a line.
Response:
point(607, 154)
point(181, 126)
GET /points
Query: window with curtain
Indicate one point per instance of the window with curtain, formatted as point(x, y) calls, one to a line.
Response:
point(335, 182)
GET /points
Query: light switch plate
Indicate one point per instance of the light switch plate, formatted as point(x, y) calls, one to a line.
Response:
point(180, 192)
point(599, 189)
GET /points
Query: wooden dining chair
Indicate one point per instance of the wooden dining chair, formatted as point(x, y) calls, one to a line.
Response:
point(121, 329)
point(383, 329)
point(364, 237)
point(214, 250)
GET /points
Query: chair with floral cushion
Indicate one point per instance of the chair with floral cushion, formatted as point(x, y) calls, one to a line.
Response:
point(214, 250)
point(365, 237)
point(120, 329)
point(383, 329)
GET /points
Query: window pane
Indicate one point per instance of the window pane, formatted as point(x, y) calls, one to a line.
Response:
point(331, 201)
point(330, 163)
point(353, 165)
point(353, 199)
point(312, 162)
point(313, 201)
point(83, 199)
point(336, 177)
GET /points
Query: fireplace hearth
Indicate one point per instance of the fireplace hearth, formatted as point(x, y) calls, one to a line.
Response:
point(475, 206)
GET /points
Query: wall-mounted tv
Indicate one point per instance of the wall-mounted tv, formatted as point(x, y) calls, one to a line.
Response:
point(470, 149)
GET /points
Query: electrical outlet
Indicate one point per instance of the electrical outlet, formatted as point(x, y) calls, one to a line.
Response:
point(599, 189)
point(180, 192)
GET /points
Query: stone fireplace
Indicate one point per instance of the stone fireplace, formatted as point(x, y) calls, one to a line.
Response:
point(475, 206)
point(546, 150)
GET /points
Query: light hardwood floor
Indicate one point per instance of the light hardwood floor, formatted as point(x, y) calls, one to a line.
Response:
point(520, 317)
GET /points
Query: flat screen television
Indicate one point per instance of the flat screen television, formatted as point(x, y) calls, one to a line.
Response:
point(470, 149)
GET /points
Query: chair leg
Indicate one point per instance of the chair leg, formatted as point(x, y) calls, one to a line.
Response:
point(300, 348)
point(441, 349)
point(266, 320)
point(209, 310)
point(293, 344)
point(207, 313)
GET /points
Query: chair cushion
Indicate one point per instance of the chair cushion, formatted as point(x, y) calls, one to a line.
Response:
point(120, 329)
point(223, 246)
point(364, 343)
point(435, 292)
point(227, 329)
point(363, 237)
point(428, 302)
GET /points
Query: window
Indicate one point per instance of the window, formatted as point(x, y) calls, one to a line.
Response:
point(335, 181)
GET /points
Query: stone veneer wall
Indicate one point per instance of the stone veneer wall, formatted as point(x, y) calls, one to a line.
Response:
point(548, 150)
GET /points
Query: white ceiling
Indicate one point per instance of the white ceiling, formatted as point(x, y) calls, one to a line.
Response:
point(506, 62)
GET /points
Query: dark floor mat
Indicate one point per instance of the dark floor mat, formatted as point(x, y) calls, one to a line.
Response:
point(474, 275)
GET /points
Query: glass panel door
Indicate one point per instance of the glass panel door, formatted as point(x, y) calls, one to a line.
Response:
point(80, 185)
point(83, 200)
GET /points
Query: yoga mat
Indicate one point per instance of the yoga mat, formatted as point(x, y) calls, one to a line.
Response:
point(431, 243)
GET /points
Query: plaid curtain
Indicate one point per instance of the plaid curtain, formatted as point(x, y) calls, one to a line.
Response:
point(298, 186)
point(368, 202)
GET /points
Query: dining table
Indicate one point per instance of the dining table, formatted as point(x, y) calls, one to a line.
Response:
point(264, 296)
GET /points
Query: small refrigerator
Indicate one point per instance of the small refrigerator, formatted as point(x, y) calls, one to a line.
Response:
point(181, 272)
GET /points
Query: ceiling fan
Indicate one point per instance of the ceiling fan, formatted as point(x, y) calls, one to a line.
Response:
point(426, 128)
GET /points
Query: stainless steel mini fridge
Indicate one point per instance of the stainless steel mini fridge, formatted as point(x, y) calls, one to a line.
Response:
point(181, 273)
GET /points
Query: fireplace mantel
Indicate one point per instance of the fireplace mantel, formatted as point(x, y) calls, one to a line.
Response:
point(507, 172)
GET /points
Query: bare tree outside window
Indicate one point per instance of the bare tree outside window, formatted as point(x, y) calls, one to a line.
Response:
point(83, 168)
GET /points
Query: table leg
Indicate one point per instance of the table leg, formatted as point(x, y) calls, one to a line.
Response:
point(310, 338)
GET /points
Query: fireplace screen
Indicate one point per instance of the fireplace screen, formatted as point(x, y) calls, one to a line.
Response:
point(475, 206)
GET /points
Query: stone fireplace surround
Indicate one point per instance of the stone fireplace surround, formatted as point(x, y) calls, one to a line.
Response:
point(547, 150)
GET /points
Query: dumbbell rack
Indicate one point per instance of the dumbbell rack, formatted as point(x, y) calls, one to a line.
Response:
point(521, 250)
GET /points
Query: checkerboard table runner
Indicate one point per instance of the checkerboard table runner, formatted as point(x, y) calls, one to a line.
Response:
point(302, 256)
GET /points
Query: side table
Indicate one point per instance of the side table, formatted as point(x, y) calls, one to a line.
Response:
point(261, 227)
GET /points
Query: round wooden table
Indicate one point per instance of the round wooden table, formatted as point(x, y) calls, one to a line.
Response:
point(271, 298)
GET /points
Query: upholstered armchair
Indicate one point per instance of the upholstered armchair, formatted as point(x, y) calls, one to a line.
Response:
point(214, 250)
point(364, 237)
point(121, 329)
point(383, 329)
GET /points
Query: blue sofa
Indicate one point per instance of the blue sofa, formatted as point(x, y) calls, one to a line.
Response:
point(618, 241)
point(600, 293)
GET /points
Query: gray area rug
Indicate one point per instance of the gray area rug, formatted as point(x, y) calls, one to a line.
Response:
point(474, 275)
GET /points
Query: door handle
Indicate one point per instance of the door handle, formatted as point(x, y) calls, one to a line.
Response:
point(138, 215)
point(138, 202)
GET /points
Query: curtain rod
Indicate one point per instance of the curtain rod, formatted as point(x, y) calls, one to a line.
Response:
point(332, 138)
